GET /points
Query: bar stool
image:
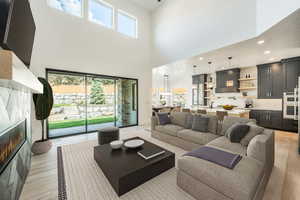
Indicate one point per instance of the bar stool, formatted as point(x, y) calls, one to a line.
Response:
point(186, 110)
point(221, 115)
point(202, 112)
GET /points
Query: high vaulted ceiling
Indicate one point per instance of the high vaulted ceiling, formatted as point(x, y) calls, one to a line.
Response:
point(148, 4)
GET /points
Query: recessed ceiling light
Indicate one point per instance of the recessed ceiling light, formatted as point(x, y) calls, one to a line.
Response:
point(267, 52)
point(260, 42)
point(201, 58)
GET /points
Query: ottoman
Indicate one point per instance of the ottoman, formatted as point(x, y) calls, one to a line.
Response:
point(108, 134)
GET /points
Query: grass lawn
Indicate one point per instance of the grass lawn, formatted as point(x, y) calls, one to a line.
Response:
point(61, 105)
point(80, 122)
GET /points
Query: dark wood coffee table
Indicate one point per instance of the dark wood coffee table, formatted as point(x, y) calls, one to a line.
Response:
point(126, 170)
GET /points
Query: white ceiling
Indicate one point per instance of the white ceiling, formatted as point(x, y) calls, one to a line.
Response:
point(282, 40)
point(148, 4)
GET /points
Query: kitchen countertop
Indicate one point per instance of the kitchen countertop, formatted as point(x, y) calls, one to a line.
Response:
point(236, 111)
point(259, 108)
point(244, 109)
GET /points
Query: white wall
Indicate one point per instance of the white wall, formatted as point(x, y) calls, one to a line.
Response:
point(270, 12)
point(71, 43)
point(184, 28)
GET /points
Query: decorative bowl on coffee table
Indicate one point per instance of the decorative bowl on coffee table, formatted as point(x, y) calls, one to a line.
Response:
point(117, 144)
point(132, 144)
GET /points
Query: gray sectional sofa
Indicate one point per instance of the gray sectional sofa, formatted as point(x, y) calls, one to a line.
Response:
point(205, 180)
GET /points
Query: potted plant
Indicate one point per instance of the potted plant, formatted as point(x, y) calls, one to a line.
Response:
point(43, 104)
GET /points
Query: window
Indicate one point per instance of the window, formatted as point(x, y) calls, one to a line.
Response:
point(73, 7)
point(127, 24)
point(101, 13)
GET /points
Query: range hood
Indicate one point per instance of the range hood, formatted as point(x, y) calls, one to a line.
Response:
point(15, 75)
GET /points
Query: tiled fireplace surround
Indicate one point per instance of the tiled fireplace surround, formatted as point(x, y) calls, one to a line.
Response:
point(15, 106)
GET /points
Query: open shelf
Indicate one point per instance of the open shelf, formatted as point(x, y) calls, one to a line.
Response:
point(247, 88)
point(247, 79)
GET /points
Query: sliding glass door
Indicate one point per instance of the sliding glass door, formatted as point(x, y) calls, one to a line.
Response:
point(87, 102)
point(68, 116)
point(126, 102)
point(100, 103)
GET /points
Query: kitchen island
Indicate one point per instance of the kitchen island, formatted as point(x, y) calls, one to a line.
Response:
point(236, 112)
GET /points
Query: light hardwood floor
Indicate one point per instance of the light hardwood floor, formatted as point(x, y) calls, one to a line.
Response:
point(284, 183)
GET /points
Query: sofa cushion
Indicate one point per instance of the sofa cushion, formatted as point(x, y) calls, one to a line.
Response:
point(200, 123)
point(169, 129)
point(253, 131)
point(163, 118)
point(238, 183)
point(212, 124)
point(237, 132)
point(178, 118)
point(189, 121)
point(229, 121)
point(224, 144)
point(196, 136)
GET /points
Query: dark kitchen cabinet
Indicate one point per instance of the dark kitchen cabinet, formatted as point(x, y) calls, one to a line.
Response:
point(268, 118)
point(228, 81)
point(277, 80)
point(276, 119)
point(290, 125)
point(270, 81)
point(264, 82)
point(291, 73)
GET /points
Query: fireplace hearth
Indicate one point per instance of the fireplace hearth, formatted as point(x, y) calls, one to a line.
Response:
point(11, 140)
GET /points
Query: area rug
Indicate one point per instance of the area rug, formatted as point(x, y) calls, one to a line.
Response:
point(80, 178)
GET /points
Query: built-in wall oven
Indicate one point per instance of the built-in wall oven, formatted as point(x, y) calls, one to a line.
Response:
point(290, 105)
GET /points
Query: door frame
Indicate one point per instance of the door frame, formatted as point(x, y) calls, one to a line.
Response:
point(85, 75)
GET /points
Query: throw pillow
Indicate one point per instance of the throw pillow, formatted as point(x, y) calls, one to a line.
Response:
point(253, 131)
point(163, 118)
point(189, 121)
point(229, 121)
point(237, 132)
point(200, 123)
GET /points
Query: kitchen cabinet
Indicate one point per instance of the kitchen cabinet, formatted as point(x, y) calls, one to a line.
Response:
point(291, 73)
point(270, 81)
point(268, 119)
point(290, 125)
point(228, 81)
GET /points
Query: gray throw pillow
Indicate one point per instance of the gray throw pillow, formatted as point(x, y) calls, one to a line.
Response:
point(189, 121)
point(212, 124)
point(253, 131)
point(163, 118)
point(237, 132)
point(229, 121)
point(200, 123)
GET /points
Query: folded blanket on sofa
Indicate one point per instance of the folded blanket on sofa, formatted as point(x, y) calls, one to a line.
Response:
point(223, 158)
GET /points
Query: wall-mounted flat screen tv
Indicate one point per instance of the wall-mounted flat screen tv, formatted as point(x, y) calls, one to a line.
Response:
point(17, 28)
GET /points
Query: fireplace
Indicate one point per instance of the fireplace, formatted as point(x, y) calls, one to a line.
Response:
point(11, 140)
